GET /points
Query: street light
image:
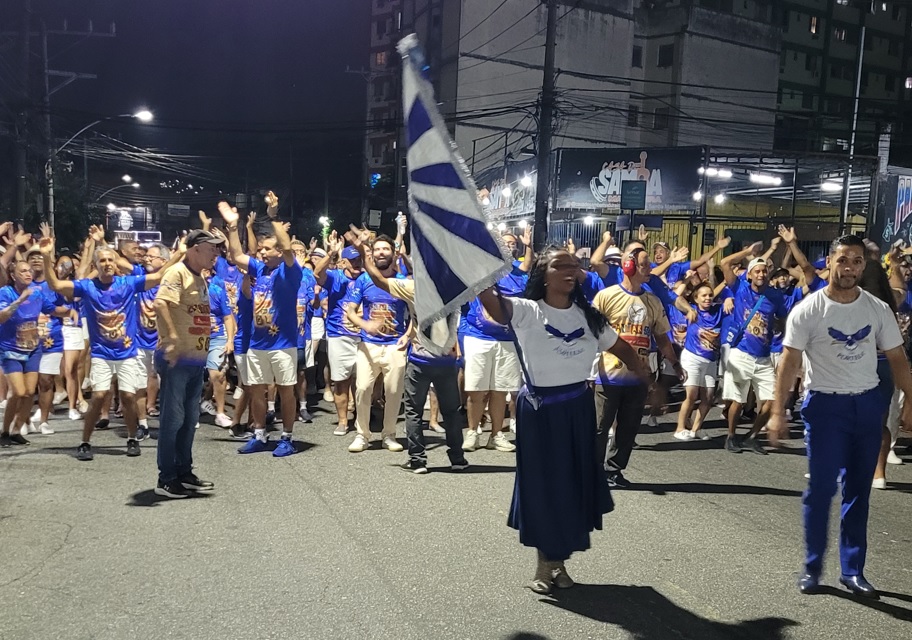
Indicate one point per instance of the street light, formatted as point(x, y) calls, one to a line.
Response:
point(126, 177)
point(143, 115)
point(135, 185)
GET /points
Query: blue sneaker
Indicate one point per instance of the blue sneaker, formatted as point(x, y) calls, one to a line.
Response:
point(284, 448)
point(254, 445)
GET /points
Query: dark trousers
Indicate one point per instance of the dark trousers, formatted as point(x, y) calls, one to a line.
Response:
point(418, 380)
point(179, 397)
point(843, 434)
point(624, 403)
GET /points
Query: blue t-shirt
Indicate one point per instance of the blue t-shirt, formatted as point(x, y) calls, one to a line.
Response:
point(111, 315)
point(654, 285)
point(244, 323)
point(675, 272)
point(816, 284)
point(678, 322)
point(219, 307)
point(704, 337)
point(50, 328)
point(338, 288)
point(318, 310)
point(231, 280)
point(147, 335)
point(377, 304)
point(592, 285)
point(305, 308)
point(758, 336)
point(19, 334)
point(275, 318)
point(791, 296)
point(512, 285)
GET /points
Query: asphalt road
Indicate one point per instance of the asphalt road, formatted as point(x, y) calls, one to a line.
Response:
point(327, 544)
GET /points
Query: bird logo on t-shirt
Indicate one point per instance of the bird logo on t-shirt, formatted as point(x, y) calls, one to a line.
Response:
point(851, 342)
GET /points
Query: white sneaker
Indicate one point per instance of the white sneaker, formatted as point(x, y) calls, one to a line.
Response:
point(73, 414)
point(470, 442)
point(197, 426)
point(328, 396)
point(684, 435)
point(500, 443)
point(359, 444)
point(510, 426)
point(59, 397)
point(31, 427)
point(879, 483)
point(45, 429)
point(238, 392)
point(390, 443)
point(651, 421)
point(208, 407)
point(892, 458)
point(223, 421)
point(808, 476)
point(699, 434)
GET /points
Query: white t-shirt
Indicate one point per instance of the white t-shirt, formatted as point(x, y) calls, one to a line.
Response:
point(840, 341)
point(563, 355)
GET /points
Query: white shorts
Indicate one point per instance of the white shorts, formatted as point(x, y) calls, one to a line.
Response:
point(491, 365)
point(742, 371)
point(317, 329)
point(73, 339)
point(50, 364)
point(147, 358)
point(240, 359)
point(700, 371)
point(131, 374)
point(308, 361)
point(775, 358)
point(342, 353)
point(279, 366)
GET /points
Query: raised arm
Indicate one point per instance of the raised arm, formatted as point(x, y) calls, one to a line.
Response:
point(721, 243)
point(252, 242)
point(334, 246)
point(679, 254)
point(774, 244)
point(283, 242)
point(791, 239)
point(727, 262)
point(529, 255)
point(359, 239)
point(235, 250)
point(63, 287)
point(7, 312)
point(597, 259)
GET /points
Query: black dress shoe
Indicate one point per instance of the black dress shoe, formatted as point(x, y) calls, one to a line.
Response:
point(859, 586)
point(809, 584)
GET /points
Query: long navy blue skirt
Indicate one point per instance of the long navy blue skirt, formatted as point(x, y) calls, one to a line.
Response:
point(560, 492)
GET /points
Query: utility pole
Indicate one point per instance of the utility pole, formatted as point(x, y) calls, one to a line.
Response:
point(546, 114)
point(847, 181)
point(22, 120)
point(49, 138)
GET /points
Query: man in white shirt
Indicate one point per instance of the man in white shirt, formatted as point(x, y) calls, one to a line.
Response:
point(839, 330)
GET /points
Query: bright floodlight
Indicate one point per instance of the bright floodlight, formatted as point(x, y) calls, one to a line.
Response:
point(490, 226)
point(143, 116)
point(523, 224)
point(697, 196)
point(526, 181)
point(501, 226)
point(831, 186)
point(126, 177)
point(720, 198)
point(324, 220)
point(486, 201)
point(507, 191)
point(111, 206)
point(135, 185)
point(588, 220)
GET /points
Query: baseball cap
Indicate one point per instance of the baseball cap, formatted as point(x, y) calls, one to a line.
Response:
point(32, 252)
point(318, 252)
point(756, 262)
point(350, 253)
point(198, 237)
point(612, 253)
point(820, 263)
point(664, 245)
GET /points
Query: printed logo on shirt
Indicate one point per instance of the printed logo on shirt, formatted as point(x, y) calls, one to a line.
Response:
point(27, 336)
point(380, 312)
point(263, 316)
point(709, 339)
point(44, 331)
point(850, 342)
point(679, 333)
point(147, 314)
point(758, 327)
point(112, 327)
point(231, 292)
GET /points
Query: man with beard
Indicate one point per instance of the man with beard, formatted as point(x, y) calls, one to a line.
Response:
point(383, 323)
point(273, 354)
point(342, 339)
point(110, 307)
point(837, 331)
point(182, 310)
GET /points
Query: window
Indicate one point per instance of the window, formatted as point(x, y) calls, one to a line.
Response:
point(842, 2)
point(381, 26)
point(661, 119)
point(633, 116)
point(810, 62)
point(807, 101)
point(897, 11)
point(380, 58)
point(812, 26)
point(909, 82)
point(637, 59)
point(786, 18)
point(839, 33)
point(666, 55)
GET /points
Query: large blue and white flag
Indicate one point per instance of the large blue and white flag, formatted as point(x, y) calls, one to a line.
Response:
point(454, 255)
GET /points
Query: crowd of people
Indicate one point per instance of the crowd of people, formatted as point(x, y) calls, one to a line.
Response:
point(567, 357)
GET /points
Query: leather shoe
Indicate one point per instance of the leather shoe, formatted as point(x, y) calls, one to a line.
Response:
point(859, 586)
point(809, 584)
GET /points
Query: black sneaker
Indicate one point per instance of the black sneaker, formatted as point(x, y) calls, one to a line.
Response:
point(5, 440)
point(84, 452)
point(732, 444)
point(17, 438)
point(751, 444)
point(173, 489)
point(193, 483)
point(415, 466)
point(616, 480)
point(239, 432)
point(102, 424)
point(142, 433)
point(461, 465)
point(270, 417)
point(133, 449)
point(304, 415)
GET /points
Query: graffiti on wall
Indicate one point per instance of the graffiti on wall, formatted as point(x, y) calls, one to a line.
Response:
point(898, 226)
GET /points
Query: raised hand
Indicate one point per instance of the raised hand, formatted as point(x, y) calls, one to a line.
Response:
point(723, 243)
point(756, 248)
point(46, 246)
point(526, 237)
point(286, 226)
point(334, 243)
point(679, 254)
point(643, 235)
point(787, 233)
point(358, 237)
point(571, 246)
point(22, 238)
point(775, 243)
point(313, 244)
point(205, 220)
point(5, 228)
point(607, 238)
point(45, 229)
point(272, 204)
point(229, 214)
point(97, 233)
point(729, 305)
point(401, 224)
point(251, 218)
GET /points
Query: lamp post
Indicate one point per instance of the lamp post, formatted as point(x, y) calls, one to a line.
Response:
point(143, 116)
point(135, 185)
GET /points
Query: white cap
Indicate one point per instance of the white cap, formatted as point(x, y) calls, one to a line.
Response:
point(612, 252)
point(756, 262)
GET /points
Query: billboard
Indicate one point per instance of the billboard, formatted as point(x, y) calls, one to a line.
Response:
point(893, 220)
point(591, 179)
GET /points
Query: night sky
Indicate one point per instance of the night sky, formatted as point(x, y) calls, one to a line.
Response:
point(241, 83)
